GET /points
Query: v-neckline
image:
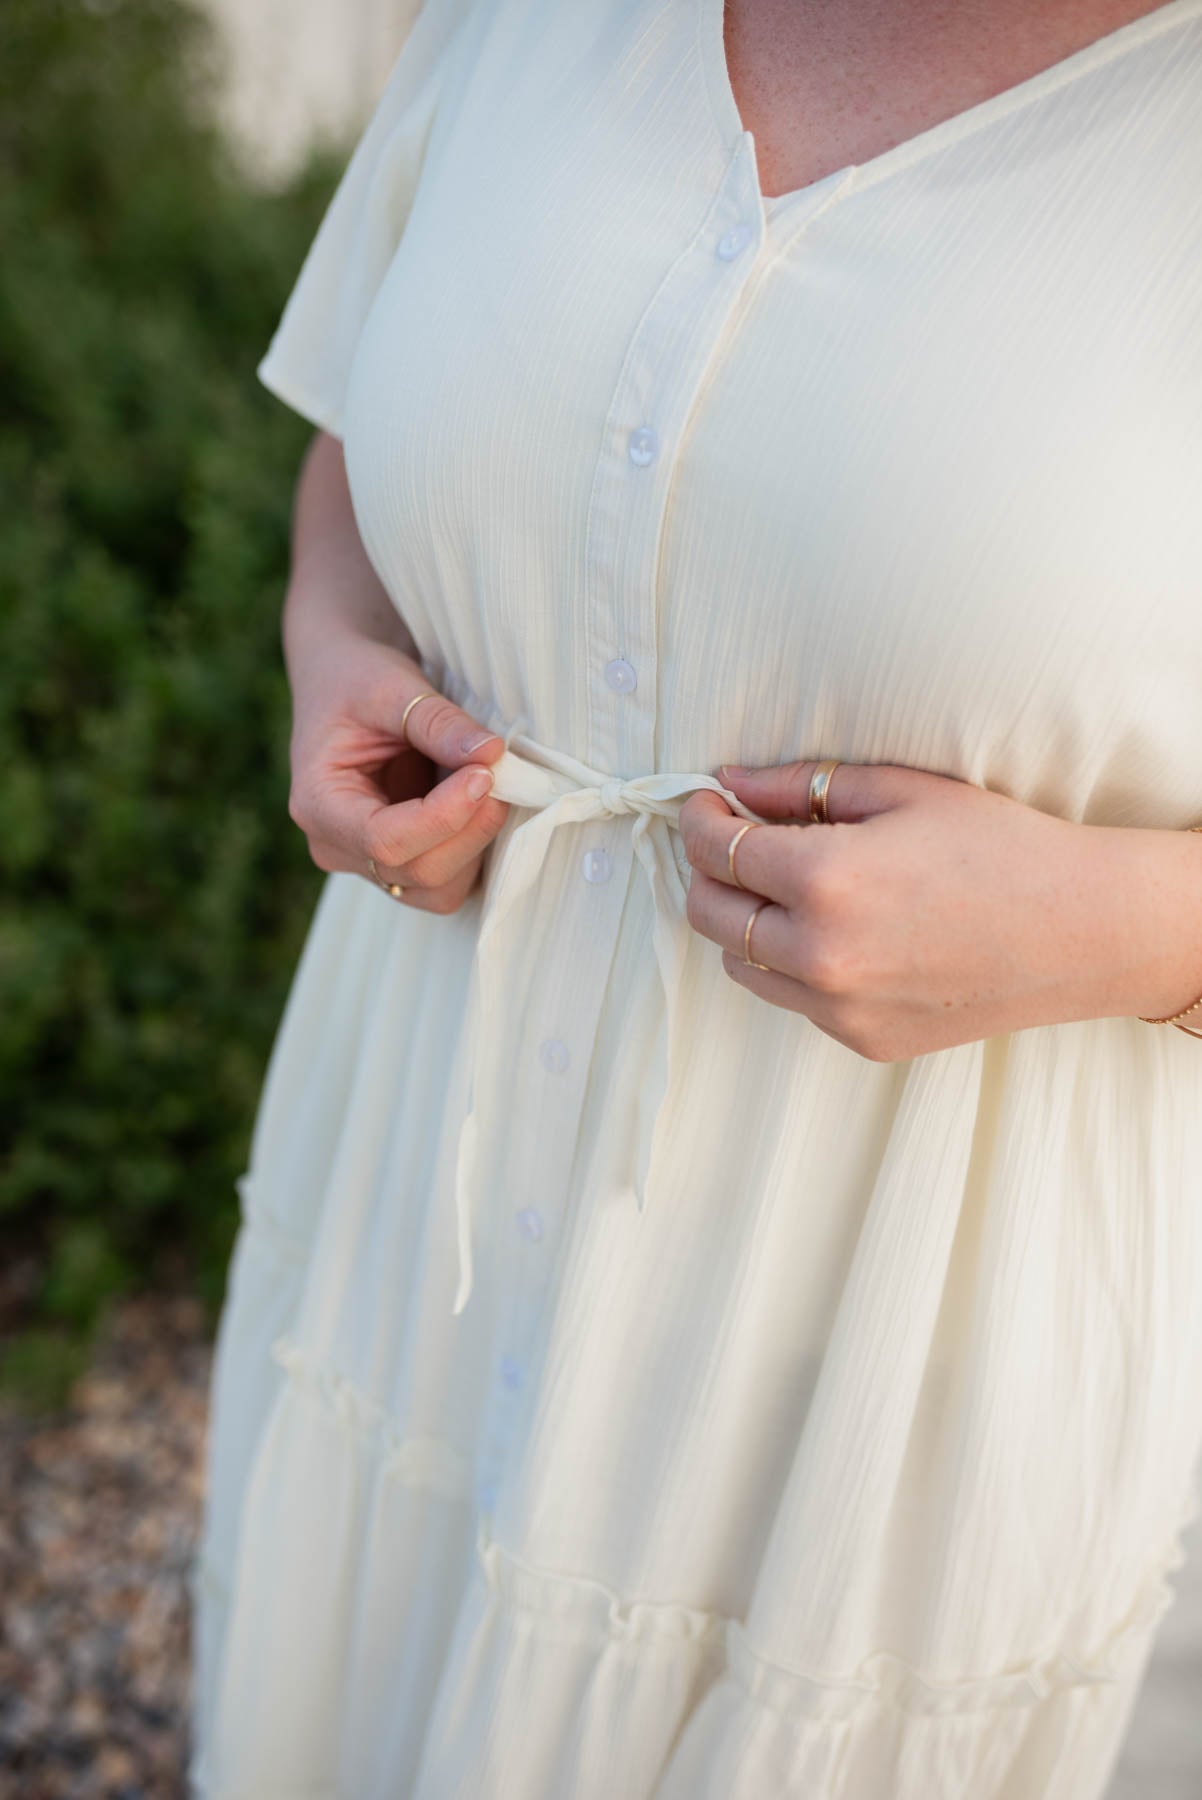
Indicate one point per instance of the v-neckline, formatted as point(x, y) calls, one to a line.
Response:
point(725, 110)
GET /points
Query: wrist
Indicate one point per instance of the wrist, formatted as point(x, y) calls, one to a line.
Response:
point(1156, 878)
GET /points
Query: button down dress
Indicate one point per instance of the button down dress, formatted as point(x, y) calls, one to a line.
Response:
point(624, 1388)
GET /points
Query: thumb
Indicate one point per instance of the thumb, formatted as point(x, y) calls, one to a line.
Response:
point(780, 791)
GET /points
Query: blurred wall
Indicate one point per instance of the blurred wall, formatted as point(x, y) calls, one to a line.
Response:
point(298, 70)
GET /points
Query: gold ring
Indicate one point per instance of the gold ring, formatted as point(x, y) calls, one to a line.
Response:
point(820, 786)
point(751, 919)
point(428, 694)
point(730, 853)
point(390, 887)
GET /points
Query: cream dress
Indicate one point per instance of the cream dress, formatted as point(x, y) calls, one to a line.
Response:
point(625, 1390)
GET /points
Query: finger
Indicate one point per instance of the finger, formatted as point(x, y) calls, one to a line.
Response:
point(766, 858)
point(447, 898)
point(855, 791)
point(777, 990)
point(831, 1018)
point(347, 810)
point(335, 861)
point(720, 913)
point(448, 735)
point(443, 863)
point(443, 895)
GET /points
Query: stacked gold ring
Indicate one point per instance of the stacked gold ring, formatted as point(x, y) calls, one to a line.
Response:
point(390, 887)
point(752, 917)
point(734, 875)
point(820, 787)
point(820, 782)
point(730, 853)
point(426, 694)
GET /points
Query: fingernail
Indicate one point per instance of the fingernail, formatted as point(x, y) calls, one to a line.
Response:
point(732, 769)
point(479, 782)
point(474, 740)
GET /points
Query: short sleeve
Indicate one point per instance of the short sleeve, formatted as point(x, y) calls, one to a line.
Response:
point(309, 357)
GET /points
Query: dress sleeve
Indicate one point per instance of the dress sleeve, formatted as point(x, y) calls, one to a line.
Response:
point(309, 357)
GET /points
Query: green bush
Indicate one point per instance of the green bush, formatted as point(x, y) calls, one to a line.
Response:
point(155, 893)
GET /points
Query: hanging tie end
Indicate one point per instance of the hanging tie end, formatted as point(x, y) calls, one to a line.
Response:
point(464, 1292)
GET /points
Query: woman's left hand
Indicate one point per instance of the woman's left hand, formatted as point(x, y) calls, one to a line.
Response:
point(929, 912)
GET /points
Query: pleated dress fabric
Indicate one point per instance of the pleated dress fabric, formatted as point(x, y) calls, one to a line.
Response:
point(624, 1388)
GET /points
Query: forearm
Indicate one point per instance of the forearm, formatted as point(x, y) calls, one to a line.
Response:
point(332, 585)
point(1150, 883)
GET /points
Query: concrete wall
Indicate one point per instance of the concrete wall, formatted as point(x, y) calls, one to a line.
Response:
point(300, 69)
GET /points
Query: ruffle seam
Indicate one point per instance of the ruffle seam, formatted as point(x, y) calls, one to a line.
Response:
point(587, 1608)
point(424, 1462)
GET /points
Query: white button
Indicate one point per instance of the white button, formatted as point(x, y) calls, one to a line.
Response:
point(597, 865)
point(734, 240)
point(555, 1055)
point(511, 1371)
point(620, 676)
point(643, 446)
point(530, 1223)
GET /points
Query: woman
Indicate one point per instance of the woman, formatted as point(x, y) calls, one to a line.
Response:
point(717, 1308)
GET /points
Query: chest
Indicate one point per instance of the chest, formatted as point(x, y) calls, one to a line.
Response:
point(908, 469)
point(822, 87)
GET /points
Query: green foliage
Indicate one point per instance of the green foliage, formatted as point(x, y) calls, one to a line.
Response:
point(39, 1369)
point(155, 892)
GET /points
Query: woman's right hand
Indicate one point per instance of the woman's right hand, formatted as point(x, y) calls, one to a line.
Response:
point(358, 793)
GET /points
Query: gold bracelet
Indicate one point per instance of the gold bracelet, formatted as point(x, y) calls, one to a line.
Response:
point(1188, 1029)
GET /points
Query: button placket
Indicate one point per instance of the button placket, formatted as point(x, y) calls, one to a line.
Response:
point(527, 1239)
point(676, 340)
point(678, 335)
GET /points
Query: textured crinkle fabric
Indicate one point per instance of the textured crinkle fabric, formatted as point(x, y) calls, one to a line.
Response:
point(623, 1388)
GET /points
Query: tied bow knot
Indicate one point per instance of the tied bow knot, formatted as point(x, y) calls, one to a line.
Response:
point(558, 790)
point(647, 795)
point(614, 799)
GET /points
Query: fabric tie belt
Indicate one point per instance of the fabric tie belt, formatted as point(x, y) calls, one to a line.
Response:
point(561, 791)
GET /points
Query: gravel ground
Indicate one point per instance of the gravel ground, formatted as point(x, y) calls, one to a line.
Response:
point(99, 1512)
